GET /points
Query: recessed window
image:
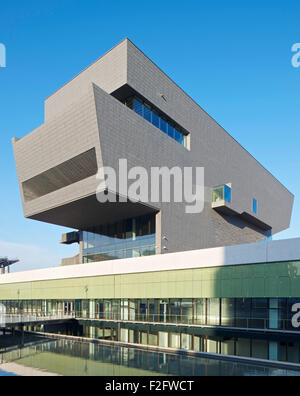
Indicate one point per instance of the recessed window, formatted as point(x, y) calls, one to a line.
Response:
point(254, 205)
point(149, 113)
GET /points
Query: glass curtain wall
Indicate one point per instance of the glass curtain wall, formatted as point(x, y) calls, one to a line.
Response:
point(249, 313)
point(126, 239)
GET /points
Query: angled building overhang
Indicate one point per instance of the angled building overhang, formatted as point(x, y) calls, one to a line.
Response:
point(87, 127)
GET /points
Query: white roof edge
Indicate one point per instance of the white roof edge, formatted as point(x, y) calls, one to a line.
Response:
point(259, 252)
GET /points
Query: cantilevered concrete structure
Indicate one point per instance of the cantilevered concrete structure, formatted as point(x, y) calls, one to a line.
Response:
point(124, 106)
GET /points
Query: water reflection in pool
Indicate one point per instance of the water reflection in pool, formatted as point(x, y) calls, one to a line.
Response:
point(83, 359)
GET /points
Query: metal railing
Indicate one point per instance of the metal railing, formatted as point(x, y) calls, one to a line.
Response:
point(214, 321)
point(244, 323)
point(10, 319)
point(153, 318)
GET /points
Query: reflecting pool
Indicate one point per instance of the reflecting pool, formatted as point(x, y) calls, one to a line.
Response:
point(71, 358)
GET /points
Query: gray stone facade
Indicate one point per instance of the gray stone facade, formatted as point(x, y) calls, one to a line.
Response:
point(58, 182)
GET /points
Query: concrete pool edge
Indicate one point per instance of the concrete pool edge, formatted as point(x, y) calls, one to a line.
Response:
point(24, 371)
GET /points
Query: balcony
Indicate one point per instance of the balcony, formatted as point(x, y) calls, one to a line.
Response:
point(222, 199)
point(222, 203)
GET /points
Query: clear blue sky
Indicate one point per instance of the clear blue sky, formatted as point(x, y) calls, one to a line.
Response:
point(233, 58)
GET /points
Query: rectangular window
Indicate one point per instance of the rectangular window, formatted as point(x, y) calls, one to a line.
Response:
point(243, 312)
point(175, 307)
point(187, 311)
point(227, 194)
point(147, 113)
point(138, 107)
point(218, 194)
point(213, 311)
point(228, 312)
point(155, 120)
point(174, 340)
point(179, 137)
point(171, 131)
point(260, 313)
point(164, 311)
point(222, 193)
point(151, 114)
point(200, 311)
point(163, 125)
point(254, 206)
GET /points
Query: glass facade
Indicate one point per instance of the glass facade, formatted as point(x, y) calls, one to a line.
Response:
point(246, 313)
point(126, 239)
point(117, 320)
point(165, 124)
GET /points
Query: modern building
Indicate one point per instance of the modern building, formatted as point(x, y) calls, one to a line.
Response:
point(5, 264)
point(211, 281)
point(236, 300)
point(124, 107)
